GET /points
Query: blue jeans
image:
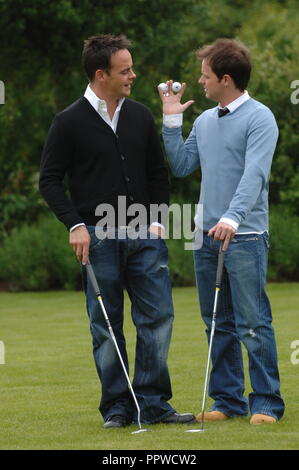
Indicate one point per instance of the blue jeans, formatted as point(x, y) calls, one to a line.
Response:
point(243, 315)
point(140, 266)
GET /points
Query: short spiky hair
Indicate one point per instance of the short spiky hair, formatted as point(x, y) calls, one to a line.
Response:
point(98, 50)
point(228, 56)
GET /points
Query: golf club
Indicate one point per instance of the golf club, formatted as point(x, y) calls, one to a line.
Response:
point(217, 290)
point(95, 285)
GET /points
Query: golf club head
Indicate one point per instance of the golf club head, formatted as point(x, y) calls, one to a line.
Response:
point(140, 430)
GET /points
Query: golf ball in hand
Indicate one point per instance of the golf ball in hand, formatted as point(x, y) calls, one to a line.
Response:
point(176, 86)
point(163, 87)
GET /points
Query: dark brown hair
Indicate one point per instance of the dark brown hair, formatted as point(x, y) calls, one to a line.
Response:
point(98, 50)
point(228, 56)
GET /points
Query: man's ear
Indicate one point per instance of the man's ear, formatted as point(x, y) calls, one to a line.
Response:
point(227, 80)
point(100, 75)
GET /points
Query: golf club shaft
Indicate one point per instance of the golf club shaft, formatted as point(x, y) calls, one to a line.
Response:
point(219, 267)
point(94, 283)
point(219, 273)
point(207, 373)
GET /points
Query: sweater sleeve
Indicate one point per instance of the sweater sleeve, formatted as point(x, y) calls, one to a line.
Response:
point(261, 142)
point(183, 156)
point(56, 158)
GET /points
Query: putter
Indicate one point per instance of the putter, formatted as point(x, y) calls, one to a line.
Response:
point(217, 290)
point(95, 285)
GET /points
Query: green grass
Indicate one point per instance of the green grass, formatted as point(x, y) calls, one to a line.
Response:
point(49, 391)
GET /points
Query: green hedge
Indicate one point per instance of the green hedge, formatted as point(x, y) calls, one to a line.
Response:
point(39, 257)
point(284, 245)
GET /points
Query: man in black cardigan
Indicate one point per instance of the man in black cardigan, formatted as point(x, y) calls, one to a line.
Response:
point(108, 147)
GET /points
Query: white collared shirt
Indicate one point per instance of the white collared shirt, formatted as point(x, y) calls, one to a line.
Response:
point(101, 107)
point(237, 102)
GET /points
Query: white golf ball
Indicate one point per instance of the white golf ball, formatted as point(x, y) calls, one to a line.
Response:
point(163, 87)
point(176, 86)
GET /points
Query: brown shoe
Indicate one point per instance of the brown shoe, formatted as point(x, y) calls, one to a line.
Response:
point(260, 419)
point(212, 416)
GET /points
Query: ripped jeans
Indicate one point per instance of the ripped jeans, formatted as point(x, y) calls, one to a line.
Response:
point(243, 315)
point(140, 265)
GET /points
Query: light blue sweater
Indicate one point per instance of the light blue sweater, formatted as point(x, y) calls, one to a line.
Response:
point(234, 153)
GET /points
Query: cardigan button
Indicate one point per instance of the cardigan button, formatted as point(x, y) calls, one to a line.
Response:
point(122, 157)
point(127, 179)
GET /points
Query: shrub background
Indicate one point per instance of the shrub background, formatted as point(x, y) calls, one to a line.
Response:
point(38, 257)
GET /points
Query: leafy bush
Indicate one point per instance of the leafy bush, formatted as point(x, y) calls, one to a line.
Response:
point(38, 257)
point(284, 245)
point(181, 264)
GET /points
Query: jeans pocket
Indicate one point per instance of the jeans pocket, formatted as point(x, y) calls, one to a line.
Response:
point(266, 240)
point(96, 239)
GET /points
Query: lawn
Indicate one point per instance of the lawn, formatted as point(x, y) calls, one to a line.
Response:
point(50, 391)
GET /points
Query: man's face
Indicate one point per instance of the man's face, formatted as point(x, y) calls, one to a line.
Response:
point(213, 87)
point(120, 76)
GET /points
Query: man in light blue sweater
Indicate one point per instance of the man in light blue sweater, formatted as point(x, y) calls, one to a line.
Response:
point(233, 145)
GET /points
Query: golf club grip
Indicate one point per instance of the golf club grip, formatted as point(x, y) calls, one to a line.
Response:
point(92, 278)
point(220, 266)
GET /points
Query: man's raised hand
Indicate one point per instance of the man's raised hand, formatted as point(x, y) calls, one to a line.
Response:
point(172, 101)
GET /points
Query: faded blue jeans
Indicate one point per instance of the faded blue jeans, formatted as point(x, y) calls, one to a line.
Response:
point(140, 266)
point(243, 315)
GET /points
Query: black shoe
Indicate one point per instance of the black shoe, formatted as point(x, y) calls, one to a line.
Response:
point(117, 421)
point(177, 418)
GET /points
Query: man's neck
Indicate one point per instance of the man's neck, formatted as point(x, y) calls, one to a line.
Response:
point(230, 97)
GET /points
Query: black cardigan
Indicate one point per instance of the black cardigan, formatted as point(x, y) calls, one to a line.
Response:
point(101, 165)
